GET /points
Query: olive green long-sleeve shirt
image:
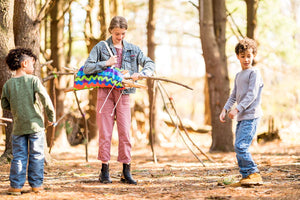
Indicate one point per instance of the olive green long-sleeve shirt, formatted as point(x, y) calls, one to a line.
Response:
point(23, 96)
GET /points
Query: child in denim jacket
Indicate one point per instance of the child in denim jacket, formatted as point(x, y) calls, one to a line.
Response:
point(247, 90)
point(19, 95)
point(112, 104)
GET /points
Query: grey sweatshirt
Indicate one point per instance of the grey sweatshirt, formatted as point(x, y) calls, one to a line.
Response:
point(247, 89)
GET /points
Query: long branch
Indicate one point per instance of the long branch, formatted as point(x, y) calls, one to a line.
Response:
point(53, 75)
point(180, 133)
point(162, 79)
point(42, 12)
point(6, 119)
point(185, 131)
point(86, 137)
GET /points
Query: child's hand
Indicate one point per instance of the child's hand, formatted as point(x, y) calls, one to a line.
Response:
point(233, 113)
point(111, 61)
point(222, 116)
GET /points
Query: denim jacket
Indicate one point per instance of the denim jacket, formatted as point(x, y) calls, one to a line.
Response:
point(132, 58)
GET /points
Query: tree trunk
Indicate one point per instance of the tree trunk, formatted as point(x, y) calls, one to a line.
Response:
point(57, 55)
point(117, 7)
point(152, 89)
point(26, 30)
point(26, 33)
point(104, 18)
point(251, 17)
point(70, 39)
point(6, 43)
point(207, 112)
point(212, 33)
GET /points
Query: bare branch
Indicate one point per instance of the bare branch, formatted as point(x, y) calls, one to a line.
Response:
point(163, 79)
point(194, 5)
point(42, 14)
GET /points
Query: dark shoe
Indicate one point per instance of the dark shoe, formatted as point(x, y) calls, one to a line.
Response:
point(126, 175)
point(104, 175)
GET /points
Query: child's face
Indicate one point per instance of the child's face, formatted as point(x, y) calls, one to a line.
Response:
point(118, 34)
point(28, 65)
point(246, 58)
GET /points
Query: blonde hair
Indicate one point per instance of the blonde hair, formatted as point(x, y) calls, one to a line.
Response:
point(117, 22)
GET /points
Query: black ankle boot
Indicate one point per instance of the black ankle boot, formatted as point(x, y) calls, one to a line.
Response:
point(126, 175)
point(104, 175)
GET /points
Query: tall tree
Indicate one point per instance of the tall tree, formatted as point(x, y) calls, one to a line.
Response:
point(117, 7)
point(212, 15)
point(252, 6)
point(58, 57)
point(26, 28)
point(152, 89)
point(6, 43)
point(93, 14)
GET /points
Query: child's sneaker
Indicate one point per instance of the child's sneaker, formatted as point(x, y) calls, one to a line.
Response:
point(37, 189)
point(14, 191)
point(252, 179)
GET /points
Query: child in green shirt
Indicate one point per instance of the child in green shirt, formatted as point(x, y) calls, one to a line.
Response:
point(23, 95)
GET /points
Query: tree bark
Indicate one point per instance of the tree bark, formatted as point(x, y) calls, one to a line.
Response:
point(6, 43)
point(252, 6)
point(117, 7)
point(57, 55)
point(26, 34)
point(152, 89)
point(26, 29)
point(212, 30)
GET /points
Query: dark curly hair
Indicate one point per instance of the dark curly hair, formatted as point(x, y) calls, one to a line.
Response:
point(18, 55)
point(245, 44)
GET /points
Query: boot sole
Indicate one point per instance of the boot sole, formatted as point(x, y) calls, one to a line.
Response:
point(125, 181)
point(105, 182)
point(14, 193)
point(252, 184)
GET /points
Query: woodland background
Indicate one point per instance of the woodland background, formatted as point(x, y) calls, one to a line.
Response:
point(192, 42)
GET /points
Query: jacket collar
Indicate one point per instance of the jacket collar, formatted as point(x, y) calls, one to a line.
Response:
point(126, 45)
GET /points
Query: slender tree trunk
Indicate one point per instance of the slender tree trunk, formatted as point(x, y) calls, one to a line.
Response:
point(212, 39)
point(252, 6)
point(117, 7)
point(58, 57)
point(6, 43)
point(152, 89)
point(104, 18)
point(70, 39)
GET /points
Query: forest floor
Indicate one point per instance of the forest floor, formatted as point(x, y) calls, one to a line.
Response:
point(177, 175)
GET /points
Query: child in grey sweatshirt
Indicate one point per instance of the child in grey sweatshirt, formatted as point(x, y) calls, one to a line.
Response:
point(246, 93)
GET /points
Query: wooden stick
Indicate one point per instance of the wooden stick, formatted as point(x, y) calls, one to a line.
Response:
point(180, 133)
point(52, 75)
point(3, 124)
point(185, 131)
point(189, 128)
point(162, 79)
point(86, 137)
point(6, 119)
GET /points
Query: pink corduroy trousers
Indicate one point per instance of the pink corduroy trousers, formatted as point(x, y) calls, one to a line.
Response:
point(105, 122)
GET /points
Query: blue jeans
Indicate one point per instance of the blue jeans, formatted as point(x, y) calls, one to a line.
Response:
point(245, 131)
point(24, 146)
